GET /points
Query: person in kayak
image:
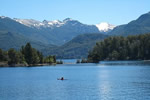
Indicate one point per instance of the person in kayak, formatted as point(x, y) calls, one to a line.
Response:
point(62, 78)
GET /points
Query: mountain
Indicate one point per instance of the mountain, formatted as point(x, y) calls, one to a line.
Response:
point(37, 24)
point(46, 32)
point(105, 27)
point(73, 38)
point(138, 26)
point(14, 40)
point(29, 22)
point(102, 27)
point(8, 24)
point(61, 31)
point(78, 47)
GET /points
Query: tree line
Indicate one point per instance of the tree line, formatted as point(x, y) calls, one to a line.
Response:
point(121, 48)
point(26, 55)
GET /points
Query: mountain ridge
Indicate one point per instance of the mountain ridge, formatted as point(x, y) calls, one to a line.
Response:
point(139, 26)
point(46, 34)
point(14, 40)
point(102, 27)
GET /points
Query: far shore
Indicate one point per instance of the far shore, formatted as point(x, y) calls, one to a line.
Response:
point(3, 64)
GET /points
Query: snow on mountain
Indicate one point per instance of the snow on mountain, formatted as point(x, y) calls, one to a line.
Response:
point(105, 27)
point(2, 17)
point(45, 23)
point(35, 23)
point(55, 23)
point(102, 27)
point(29, 22)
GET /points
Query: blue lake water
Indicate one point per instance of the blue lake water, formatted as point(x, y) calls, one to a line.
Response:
point(121, 80)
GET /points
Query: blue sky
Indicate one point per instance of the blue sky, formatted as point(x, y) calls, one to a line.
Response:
point(86, 11)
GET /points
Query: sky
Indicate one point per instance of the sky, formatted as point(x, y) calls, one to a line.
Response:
point(115, 12)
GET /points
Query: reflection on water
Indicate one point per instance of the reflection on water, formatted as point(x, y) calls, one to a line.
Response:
point(103, 81)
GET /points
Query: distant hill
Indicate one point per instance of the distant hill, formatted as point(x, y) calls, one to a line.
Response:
point(139, 26)
point(78, 47)
point(14, 40)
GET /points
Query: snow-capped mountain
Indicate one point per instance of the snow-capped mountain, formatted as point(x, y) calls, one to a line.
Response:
point(37, 24)
point(105, 27)
point(102, 27)
point(44, 23)
point(55, 23)
point(29, 22)
point(56, 31)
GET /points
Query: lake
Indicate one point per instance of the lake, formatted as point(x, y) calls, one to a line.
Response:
point(108, 80)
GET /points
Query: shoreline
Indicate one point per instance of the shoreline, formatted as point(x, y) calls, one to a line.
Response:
point(2, 64)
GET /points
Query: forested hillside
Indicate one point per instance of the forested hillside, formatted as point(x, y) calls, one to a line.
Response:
point(122, 48)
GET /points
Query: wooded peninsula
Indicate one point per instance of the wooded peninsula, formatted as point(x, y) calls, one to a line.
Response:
point(136, 47)
point(26, 56)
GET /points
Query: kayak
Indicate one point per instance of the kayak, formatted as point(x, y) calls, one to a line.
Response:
point(61, 79)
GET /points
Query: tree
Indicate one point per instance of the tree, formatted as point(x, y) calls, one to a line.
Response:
point(50, 59)
point(115, 55)
point(13, 57)
point(41, 58)
point(3, 55)
point(28, 53)
point(35, 57)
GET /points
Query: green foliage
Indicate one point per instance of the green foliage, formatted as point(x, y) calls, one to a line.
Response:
point(35, 57)
point(114, 56)
point(32, 56)
point(122, 48)
point(3, 55)
point(26, 55)
point(50, 59)
point(14, 57)
point(41, 58)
